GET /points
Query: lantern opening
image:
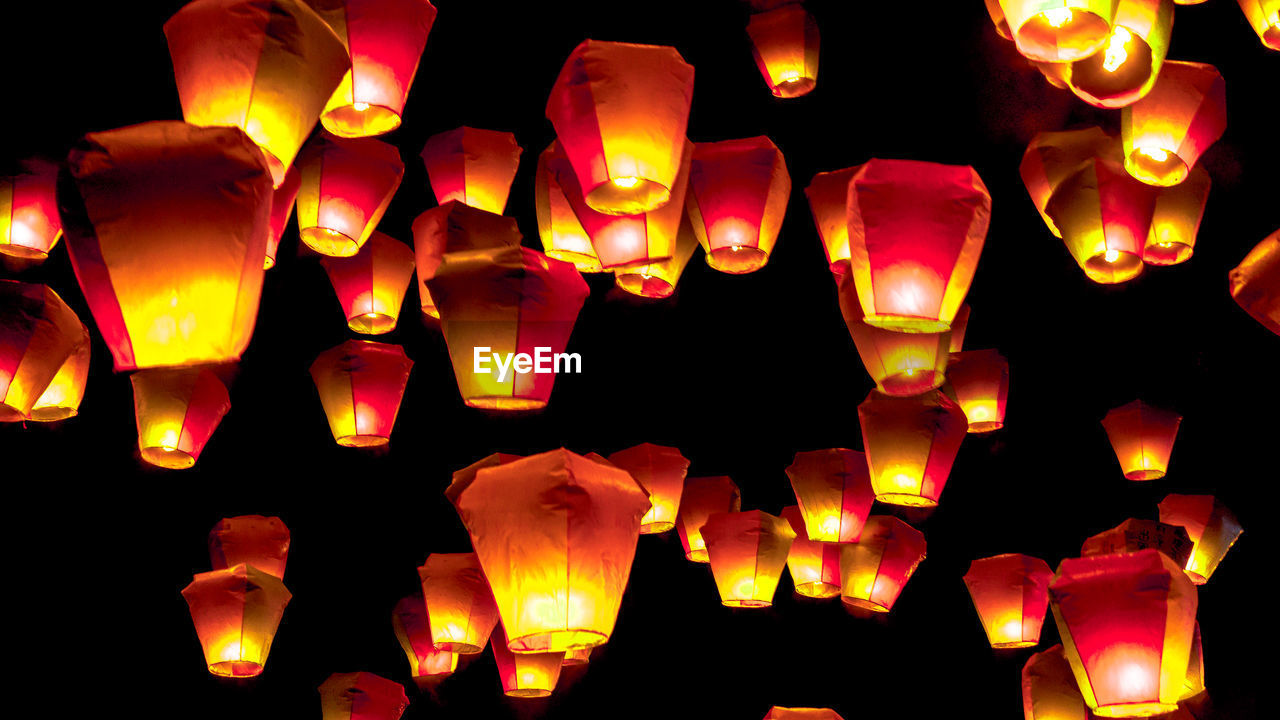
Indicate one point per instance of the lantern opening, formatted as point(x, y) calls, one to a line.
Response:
point(737, 259)
point(628, 196)
point(328, 241)
point(1113, 266)
point(645, 285)
point(360, 120)
point(1062, 34)
point(1156, 166)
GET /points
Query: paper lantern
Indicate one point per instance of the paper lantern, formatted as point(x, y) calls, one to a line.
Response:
point(786, 713)
point(1126, 68)
point(361, 696)
point(1193, 683)
point(834, 493)
point(236, 611)
point(282, 202)
point(264, 66)
point(1166, 132)
point(1126, 622)
point(1135, 534)
point(900, 363)
point(978, 380)
point(827, 193)
point(1049, 690)
point(959, 327)
point(660, 471)
point(1175, 220)
point(1011, 594)
point(167, 229)
point(1142, 437)
point(620, 111)
point(515, 307)
point(702, 497)
point(1212, 527)
point(658, 279)
point(577, 657)
point(555, 534)
point(427, 665)
point(526, 675)
point(738, 192)
point(997, 19)
point(254, 540)
point(747, 551)
point(1255, 283)
point(454, 227)
point(62, 396)
point(177, 411)
point(1105, 217)
point(874, 570)
point(346, 187)
point(1055, 156)
point(371, 284)
point(29, 222)
point(472, 166)
point(1059, 31)
point(361, 384)
point(916, 230)
point(1264, 16)
point(911, 443)
point(814, 565)
point(785, 43)
point(39, 333)
point(460, 608)
point(559, 228)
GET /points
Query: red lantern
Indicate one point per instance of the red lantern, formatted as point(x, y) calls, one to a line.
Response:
point(427, 665)
point(738, 192)
point(1134, 534)
point(455, 227)
point(361, 696)
point(1049, 690)
point(1175, 220)
point(460, 608)
point(785, 44)
point(1255, 283)
point(526, 675)
point(254, 540)
point(1105, 218)
point(38, 335)
point(660, 471)
point(282, 202)
point(814, 566)
point(1212, 527)
point(346, 187)
point(29, 222)
point(658, 279)
point(874, 570)
point(979, 383)
point(900, 363)
point(371, 284)
point(236, 612)
point(834, 491)
point(702, 497)
point(747, 551)
point(177, 411)
point(827, 193)
point(1055, 156)
point(911, 443)
point(1264, 16)
point(1059, 31)
point(1011, 594)
point(1124, 71)
point(472, 166)
point(62, 396)
point(1166, 132)
point(361, 384)
point(1142, 437)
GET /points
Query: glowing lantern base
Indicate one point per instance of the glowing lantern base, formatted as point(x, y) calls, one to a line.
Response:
point(177, 411)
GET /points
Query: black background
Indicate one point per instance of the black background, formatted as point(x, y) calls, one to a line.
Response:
point(740, 372)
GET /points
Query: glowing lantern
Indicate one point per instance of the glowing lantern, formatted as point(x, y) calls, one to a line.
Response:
point(1264, 16)
point(29, 222)
point(177, 411)
point(827, 193)
point(814, 566)
point(786, 713)
point(874, 570)
point(282, 202)
point(361, 696)
point(899, 363)
point(371, 284)
point(1049, 689)
point(236, 611)
point(1126, 68)
point(959, 327)
point(1011, 594)
point(979, 383)
point(577, 657)
point(1105, 218)
point(620, 111)
point(454, 227)
point(254, 540)
point(1126, 622)
point(427, 665)
point(1059, 31)
point(1167, 131)
point(911, 443)
point(361, 384)
point(1055, 156)
point(346, 187)
point(660, 471)
point(738, 192)
point(1142, 437)
point(555, 534)
point(562, 234)
point(1193, 683)
point(747, 551)
point(997, 19)
point(264, 66)
point(526, 675)
point(62, 396)
point(1213, 529)
point(1175, 221)
point(1255, 283)
point(658, 279)
point(1134, 534)
point(702, 497)
point(834, 493)
point(512, 303)
point(472, 166)
point(38, 335)
point(460, 608)
point(785, 44)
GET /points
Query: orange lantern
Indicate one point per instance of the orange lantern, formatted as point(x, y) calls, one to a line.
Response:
point(660, 471)
point(1011, 594)
point(979, 383)
point(738, 192)
point(827, 193)
point(1264, 16)
point(555, 534)
point(1142, 437)
point(39, 335)
point(814, 566)
point(997, 19)
point(786, 713)
point(236, 611)
point(874, 570)
point(834, 493)
point(900, 363)
point(959, 327)
point(1175, 221)
point(361, 696)
point(702, 497)
point(473, 166)
point(526, 675)
point(254, 540)
point(577, 657)
point(62, 396)
point(361, 384)
point(1193, 684)
point(1059, 31)
point(1134, 534)
point(559, 228)
point(747, 551)
point(282, 202)
point(785, 44)
point(346, 187)
point(507, 314)
point(454, 227)
point(1055, 156)
point(1166, 132)
point(264, 66)
point(620, 111)
point(1255, 283)
point(1212, 527)
point(460, 608)
point(1049, 690)
point(1126, 622)
point(1105, 218)
point(1126, 68)
point(29, 222)
point(427, 665)
point(658, 279)
point(371, 284)
point(177, 411)
point(911, 443)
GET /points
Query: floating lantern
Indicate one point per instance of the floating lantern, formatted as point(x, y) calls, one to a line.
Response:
point(1049, 689)
point(738, 192)
point(1255, 283)
point(361, 384)
point(62, 396)
point(177, 411)
point(1011, 594)
point(959, 327)
point(1175, 221)
point(346, 187)
point(1212, 527)
point(1126, 622)
point(660, 471)
point(997, 19)
point(526, 675)
point(620, 111)
point(39, 334)
point(747, 551)
point(702, 497)
point(834, 493)
point(454, 227)
point(911, 443)
point(814, 566)
point(361, 696)
point(900, 363)
point(1126, 68)
point(1264, 16)
point(786, 713)
point(1166, 132)
point(1193, 683)
point(264, 66)
point(785, 43)
point(236, 611)
point(1059, 31)
point(559, 228)
point(254, 540)
point(29, 222)
point(1105, 217)
point(874, 570)
point(658, 279)
point(1142, 437)
point(979, 383)
point(1055, 156)
point(460, 608)
point(577, 657)
point(371, 284)
point(472, 166)
point(282, 202)
point(1134, 534)
point(827, 193)
point(427, 665)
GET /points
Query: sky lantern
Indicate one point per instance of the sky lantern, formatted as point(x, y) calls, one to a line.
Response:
point(1126, 622)
point(1105, 218)
point(827, 193)
point(620, 111)
point(785, 43)
point(738, 192)
point(1059, 31)
point(874, 570)
point(1166, 132)
point(361, 696)
point(1264, 16)
point(177, 410)
point(282, 202)
point(346, 187)
point(916, 230)
point(959, 327)
point(427, 665)
point(473, 166)
point(801, 713)
point(361, 384)
point(1136, 534)
point(834, 493)
point(1126, 67)
point(702, 497)
point(371, 284)
point(556, 534)
point(1055, 156)
point(911, 443)
point(1255, 283)
point(460, 608)
point(29, 222)
point(1011, 594)
point(510, 305)
point(658, 279)
point(236, 611)
point(1142, 437)
point(1049, 689)
point(1175, 221)
point(39, 334)
point(814, 565)
point(62, 396)
point(454, 227)
point(900, 363)
point(997, 19)
point(525, 675)
point(261, 542)
point(559, 228)
point(747, 551)
point(660, 470)
point(1211, 526)
point(978, 380)
point(264, 66)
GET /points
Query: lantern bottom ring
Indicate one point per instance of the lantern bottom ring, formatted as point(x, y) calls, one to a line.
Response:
point(504, 402)
point(1052, 36)
point(584, 262)
point(912, 382)
point(650, 286)
point(9, 413)
point(363, 440)
point(1156, 166)
point(53, 413)
point(906, 499)
point(528, 693)
point(22, 251)
point(1014, 644)
point(1144, 475)
point(1113, 266)
point(1135, 709)
point(458, 648)
point(627, 196)
point(1271, 38)
point(737, 259)
point(655, 527)
point(372, 323)
point(236, 669)
point(746, 603)
point(356, 120)
point(327, 241)
point(1167, 253)
point(1196, 578)
point(985, 426)
point(864, 604)
point(817, 589)
point(794, 87)
point(557, 641)
point(906, 323)
point(172, 459)
point(431, 311)
point(698, 556)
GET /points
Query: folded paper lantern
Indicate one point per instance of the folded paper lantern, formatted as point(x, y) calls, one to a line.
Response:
point(1166, 132)
point(460, 608)
point(236, 611)
point(454, 227)
point(658, 279)
point(559, 228)
point(1126, 68)
point(167, 229)
point(1255, 283)
point(29, 222)
point(1135, 534)
point(738, 192)
point(702, 497)
point(1049, 689)
point(834, 493)
point(1105, 217)
point(959, 327)
point(526, 675)
point(427, 665)
point(361, 696)
point(997, 19)
point(1193, 683)
point(660, 471)
point(371, 284)
point(916, 230)
point(814, 565)
point(827, 193)
point(620, 111)
point(785, 44)
point(282, 202)
point(1175, 221)
point(512, 303)
point(1264, 16)
point(1011, 594)
point(786, 713)
point(254, 540)
point(1055, 156)
point(577, 657)
point(472, 166)
point(900, 363)
point(39, 334)
point(747, 551)
point(361, 384)
point(177, 411)
point(264, 66)
point(911, 443)
point(62, 396)
point(1212, 527)
point(1126, 622)
point(978, 380)
point(346, 187)
point(1142, 437)
point(1059, 31)
point(874, 570)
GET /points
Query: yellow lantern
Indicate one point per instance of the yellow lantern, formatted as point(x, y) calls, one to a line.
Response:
point(737, 197)
point(370, 285)
point(747, 551)
point(1055, 156)
point(874, 570)
point(833, 489)
point(814, 566)
point(660, 471)
point(1049, 690)
point(1059, 30)
point(1255, 283)
point(1166, 132)
point(346, 188)
point(978, 380)
point(827, 193)
point(702, 497)
point(177, 411)
point(559, 227)
point(62, 396)
point(1105, 218)
point(911, 443)
point(1011, 594)
point(472, 166)
point(236, 611)
point(361, 696)
point(454, 227)
point(525, 675)
point(39, 336)
point(1264, 16)
point(460, 607)
point(900, 363)
point(1126, 68)
point(1175, 221)
point(1142, 437)
point(427, 665)
point(1212, 527)
point(785, 43)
